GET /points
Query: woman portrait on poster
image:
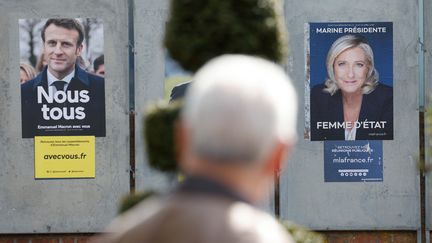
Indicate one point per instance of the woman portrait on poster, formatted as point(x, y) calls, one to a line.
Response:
point(352, 104)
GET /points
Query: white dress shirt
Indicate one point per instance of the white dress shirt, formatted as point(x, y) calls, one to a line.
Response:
point(51, 79)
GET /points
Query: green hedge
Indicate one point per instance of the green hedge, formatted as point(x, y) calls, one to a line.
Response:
point(198, 31)
point(159, 126)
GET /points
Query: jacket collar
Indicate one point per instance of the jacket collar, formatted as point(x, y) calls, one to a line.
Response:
point(203, 185)
point(80, 75)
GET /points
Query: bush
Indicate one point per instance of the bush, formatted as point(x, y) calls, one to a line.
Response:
point(198, 31)
point(301, 234)
point(159, 126)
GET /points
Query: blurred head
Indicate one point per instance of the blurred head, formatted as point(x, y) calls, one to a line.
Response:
point(350, 66)
point(238, 111)
point(99, 66)
point(27, 72)
point(62, 45)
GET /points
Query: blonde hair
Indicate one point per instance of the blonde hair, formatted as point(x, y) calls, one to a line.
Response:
point(28, 69)
point(342, 44)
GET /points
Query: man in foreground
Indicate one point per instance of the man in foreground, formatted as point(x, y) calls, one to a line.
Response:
point(236, 128)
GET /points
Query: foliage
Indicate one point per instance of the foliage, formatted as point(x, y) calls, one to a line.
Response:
point(198, 31)
point(159, 126)
point(301, 234)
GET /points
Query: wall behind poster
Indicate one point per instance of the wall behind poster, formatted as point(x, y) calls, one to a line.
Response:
point(393, 203)
point(85, 205)
point(150, 69)
point(156, 75)
point(428, 91)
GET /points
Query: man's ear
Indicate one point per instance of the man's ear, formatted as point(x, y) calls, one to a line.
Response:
point(79, 50)
point(180, 142)
point(277, 157)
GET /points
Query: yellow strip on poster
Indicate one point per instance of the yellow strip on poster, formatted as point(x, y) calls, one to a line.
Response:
point(64, 157)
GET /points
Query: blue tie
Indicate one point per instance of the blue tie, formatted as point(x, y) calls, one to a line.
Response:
point(59, 85)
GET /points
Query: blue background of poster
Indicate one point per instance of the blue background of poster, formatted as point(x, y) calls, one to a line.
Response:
point(381, 43)
point(371, 170)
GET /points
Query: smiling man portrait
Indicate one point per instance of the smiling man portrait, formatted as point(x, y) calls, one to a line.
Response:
point(63, 99)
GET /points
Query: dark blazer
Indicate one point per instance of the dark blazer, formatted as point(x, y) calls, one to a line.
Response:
point(376, 107)
point(35, 124)
point(179, 91)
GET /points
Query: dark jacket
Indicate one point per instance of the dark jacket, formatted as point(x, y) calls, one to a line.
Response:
point(83, 115)
point(179, 91)
point(376, 107)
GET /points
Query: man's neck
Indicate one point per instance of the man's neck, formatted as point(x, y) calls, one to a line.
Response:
point(239, 178)
point(51, 77)
point(60, 76)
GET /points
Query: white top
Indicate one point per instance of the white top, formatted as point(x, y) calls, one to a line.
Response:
point(350, 134)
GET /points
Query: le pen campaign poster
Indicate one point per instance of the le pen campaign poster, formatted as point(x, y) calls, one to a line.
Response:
point(349, 81)
point(62, 77)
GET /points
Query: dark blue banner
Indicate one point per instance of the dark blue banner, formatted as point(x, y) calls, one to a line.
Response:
point(353, 161)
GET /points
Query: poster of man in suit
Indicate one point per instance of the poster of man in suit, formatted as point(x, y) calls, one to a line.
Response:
point(66, 96)
point(349, 81)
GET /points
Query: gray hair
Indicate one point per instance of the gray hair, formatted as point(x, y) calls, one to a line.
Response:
point(340, 45)
point(238, 107)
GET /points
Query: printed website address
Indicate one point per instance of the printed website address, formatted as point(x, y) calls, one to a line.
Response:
point(65, 156)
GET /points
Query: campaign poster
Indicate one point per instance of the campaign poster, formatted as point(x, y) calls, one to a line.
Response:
point(353, 161)
point(349, 81)
point(62, 77)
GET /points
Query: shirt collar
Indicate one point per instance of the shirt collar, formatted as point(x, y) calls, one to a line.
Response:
point(197, 184)
point(51, 78)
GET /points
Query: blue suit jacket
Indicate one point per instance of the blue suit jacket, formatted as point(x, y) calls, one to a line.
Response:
point(376, 107)
point(34, 123)
point(179, 91)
